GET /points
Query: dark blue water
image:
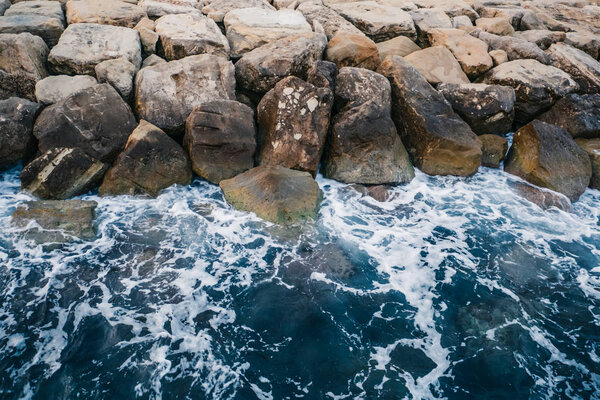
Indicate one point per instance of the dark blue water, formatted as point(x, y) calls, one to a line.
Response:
point(457, 288)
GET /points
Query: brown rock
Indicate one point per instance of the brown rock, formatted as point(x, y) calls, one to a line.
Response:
point(22, 64)
point(577, 114)
point(398, 46)
point(592, 148)
point(437, 65)
point(349, 50)
point(544, 198)
point(494, 149)
point(471, 53)
point(497, 26)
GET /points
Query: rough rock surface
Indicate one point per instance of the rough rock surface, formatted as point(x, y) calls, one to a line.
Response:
point(398, 46)
point(217, 9)
point(349, 50)
point(577, 114)
point(46, 8)
point(545, 155)
point(499, 57)
point(55, 88)
point(471, 53)
point(274, 193)
point(22, 64)
point(331, 21)
point(429, 18)
point(107, 12)
point(516, 48)
point(496, 26)
point(544, 198)
point(592, 148)
point(158, 8)
point(96, 120)
point(16, 129)
point(494, 149)
point(438, 141)
point(119, 74)
point(322, 74)
point(47, 28)
point(585, 41)
point(543, 38)
point(437, 65)
point(579, 65)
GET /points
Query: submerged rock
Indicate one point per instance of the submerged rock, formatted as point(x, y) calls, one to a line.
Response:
point(494, 149)
point(55, 88)
point(22, 64)
point(544, 198)
point(16, 130)
point(274, 193)
point(577, 114)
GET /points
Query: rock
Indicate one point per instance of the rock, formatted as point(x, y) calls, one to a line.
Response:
point(61, 220)
point(542, 38)
point(438, 141)
point(512, 12)
point(429, 18)
point(496, 26)
point(536, 85)
point(22, 64)
point(82, 46)
point(579, 65)
point(260, 69)
point(364, 144)
point(106, 12)
point(250, 28)
point(293, 119)
point(471, 53)
point(453, 8)
point(577, 114)
point(220, 138)
point(274, 193)
point(499, 57)
point(55, 88)
point(585, 41)
point(61, 173)
point(437, 65)
point(462, 21)
point(379, 22)
point(592, 148)
point(183, 35)
point(183, 84)
point(545, 155)
point(96, 120)
point(158, 8)
point(515, 48)
point(530, 21)
point(153, 60)
point(488, 109)
point(398, 46)
point(51, 9)
point(150, 162)
point(4, 5)
point(118, 73)
point(331, 21)
point(322, 74)
point(149, 40)
point(543, 198)
point(380, 193)
point(217, 9)
point(349, 50)
point(16, 126)
point(47, 28)
point(145, 23)
point(494, 149)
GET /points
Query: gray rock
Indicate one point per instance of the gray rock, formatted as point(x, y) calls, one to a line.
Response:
point(585, 41)
point(426, 19)
point(331, 21)
point(46, 8)
point(217, 9)
point(153, 60)
point(106, 12)
point(581, 66)
point(47, 28)
point(55, 88)
point(542, 38)
point(22, 64)
point(4, 5)
point(158, 8)
point(322, 74)
point(516, 48)
point(16, 130)
point(119, 74)
point(577, 114)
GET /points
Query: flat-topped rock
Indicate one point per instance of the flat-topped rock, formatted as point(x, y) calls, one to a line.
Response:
point(437, 65)
point(217, 9)
point(108, 12)
point(22, 64)
point(497, 26)
point(398, 46)
point(331, 21)
point(46, 8)
point(426, 19)
point(543, 38)
point(579, 65)
point(471, 53)
point(577, 114)
point(585, 41)
point(55, 88)
point(158, 8)
point(350, 50)
point(16, 130)
point(48, 28)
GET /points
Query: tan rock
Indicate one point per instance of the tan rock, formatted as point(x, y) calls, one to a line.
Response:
point(398, 46)
point(437, 65)
point(331, 21)
point(217, 9)
point(497, 26)
point(108, 12)
point(499, 57)
point(349, 50)
point(471, 53)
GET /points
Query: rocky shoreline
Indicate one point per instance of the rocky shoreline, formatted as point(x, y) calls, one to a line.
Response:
point(131, 98)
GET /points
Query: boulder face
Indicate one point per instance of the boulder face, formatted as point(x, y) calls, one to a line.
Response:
point(220, 138)
point(331, 21)
point(16, 130)
point(158, 8)
point(544, 198)
point(322, 74)
point(438, 141)
point(82, 46)
point(96, 120)
point(516, 48)
point(398, 46)
point(581, 66)
point(119, 74)
point(350, 50)
point(46, 8)
point(293, 119)
point(437, 65)
point(217, 9)
point(274, 193)
point(364, 145)
point(48, 28)
point(577, 114)
point(592, 148)
point(496, 26)
point(22, 64)
point(61, 173)
point(166, 94)
point(546, 155)
point(488, 109)
point(55, 88)
point(107, 12)
point(150, 162)
point(537, 86)
point(494, 149)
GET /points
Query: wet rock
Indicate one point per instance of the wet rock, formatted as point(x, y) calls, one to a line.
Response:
point(16, 129)
point(260, 69)
point(438, 141)
point(426, 19)
point(150, 162)
point(22, 64)
point(220, 138)
point(514, 47)
point(545, 155)
point(61, 173)
point(274, 193)
point(398, 46)
point(250, 28)
point(380, 193)
point(106, 12)
point(592, 148)
point(349, 50)
point(55, 88)
point(217, 9)
point(183, 35)
point(585, 41)
point(537, 86)
point(579, 65)
point(322, 74)
point(47, 28)
point(331, 21)
point(364, 144)
point(499, 57)
point(158, 8)
point(183, 84)
point(82, 46)
point(119, 74)
point(293, 119)
point(95, 119)
point(544, 198)
point(437, 65)
point(542, 38)
point(496, 26)
point(153, 60)
point(577, 114)
point(494, 149)
point(378, 21)
point(488, 109)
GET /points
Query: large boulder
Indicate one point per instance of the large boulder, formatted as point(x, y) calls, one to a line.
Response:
point(107, 12)
point(119, 73)
point(488, 109)
point(82, 46)
point(350, 50)
point(166, 94)
point(61, 173)
point(331, 21)
point(217, 9)
point(516, 48)
point(220, 138)
point(260, 69)
point(546, 155)
point(581, 66)
point(150, 162)
point(16, 130)
point(577, 114)
point(55, 88)
point(22, 64)
point(592, 148)
point(439, 142)
point(274, 193)
point(183, 35)
point(364, 145)
point(537, 86)
point(96, 120)
point(437, 65)
point(293, 119)
point(47, 28)
point(249, 28)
